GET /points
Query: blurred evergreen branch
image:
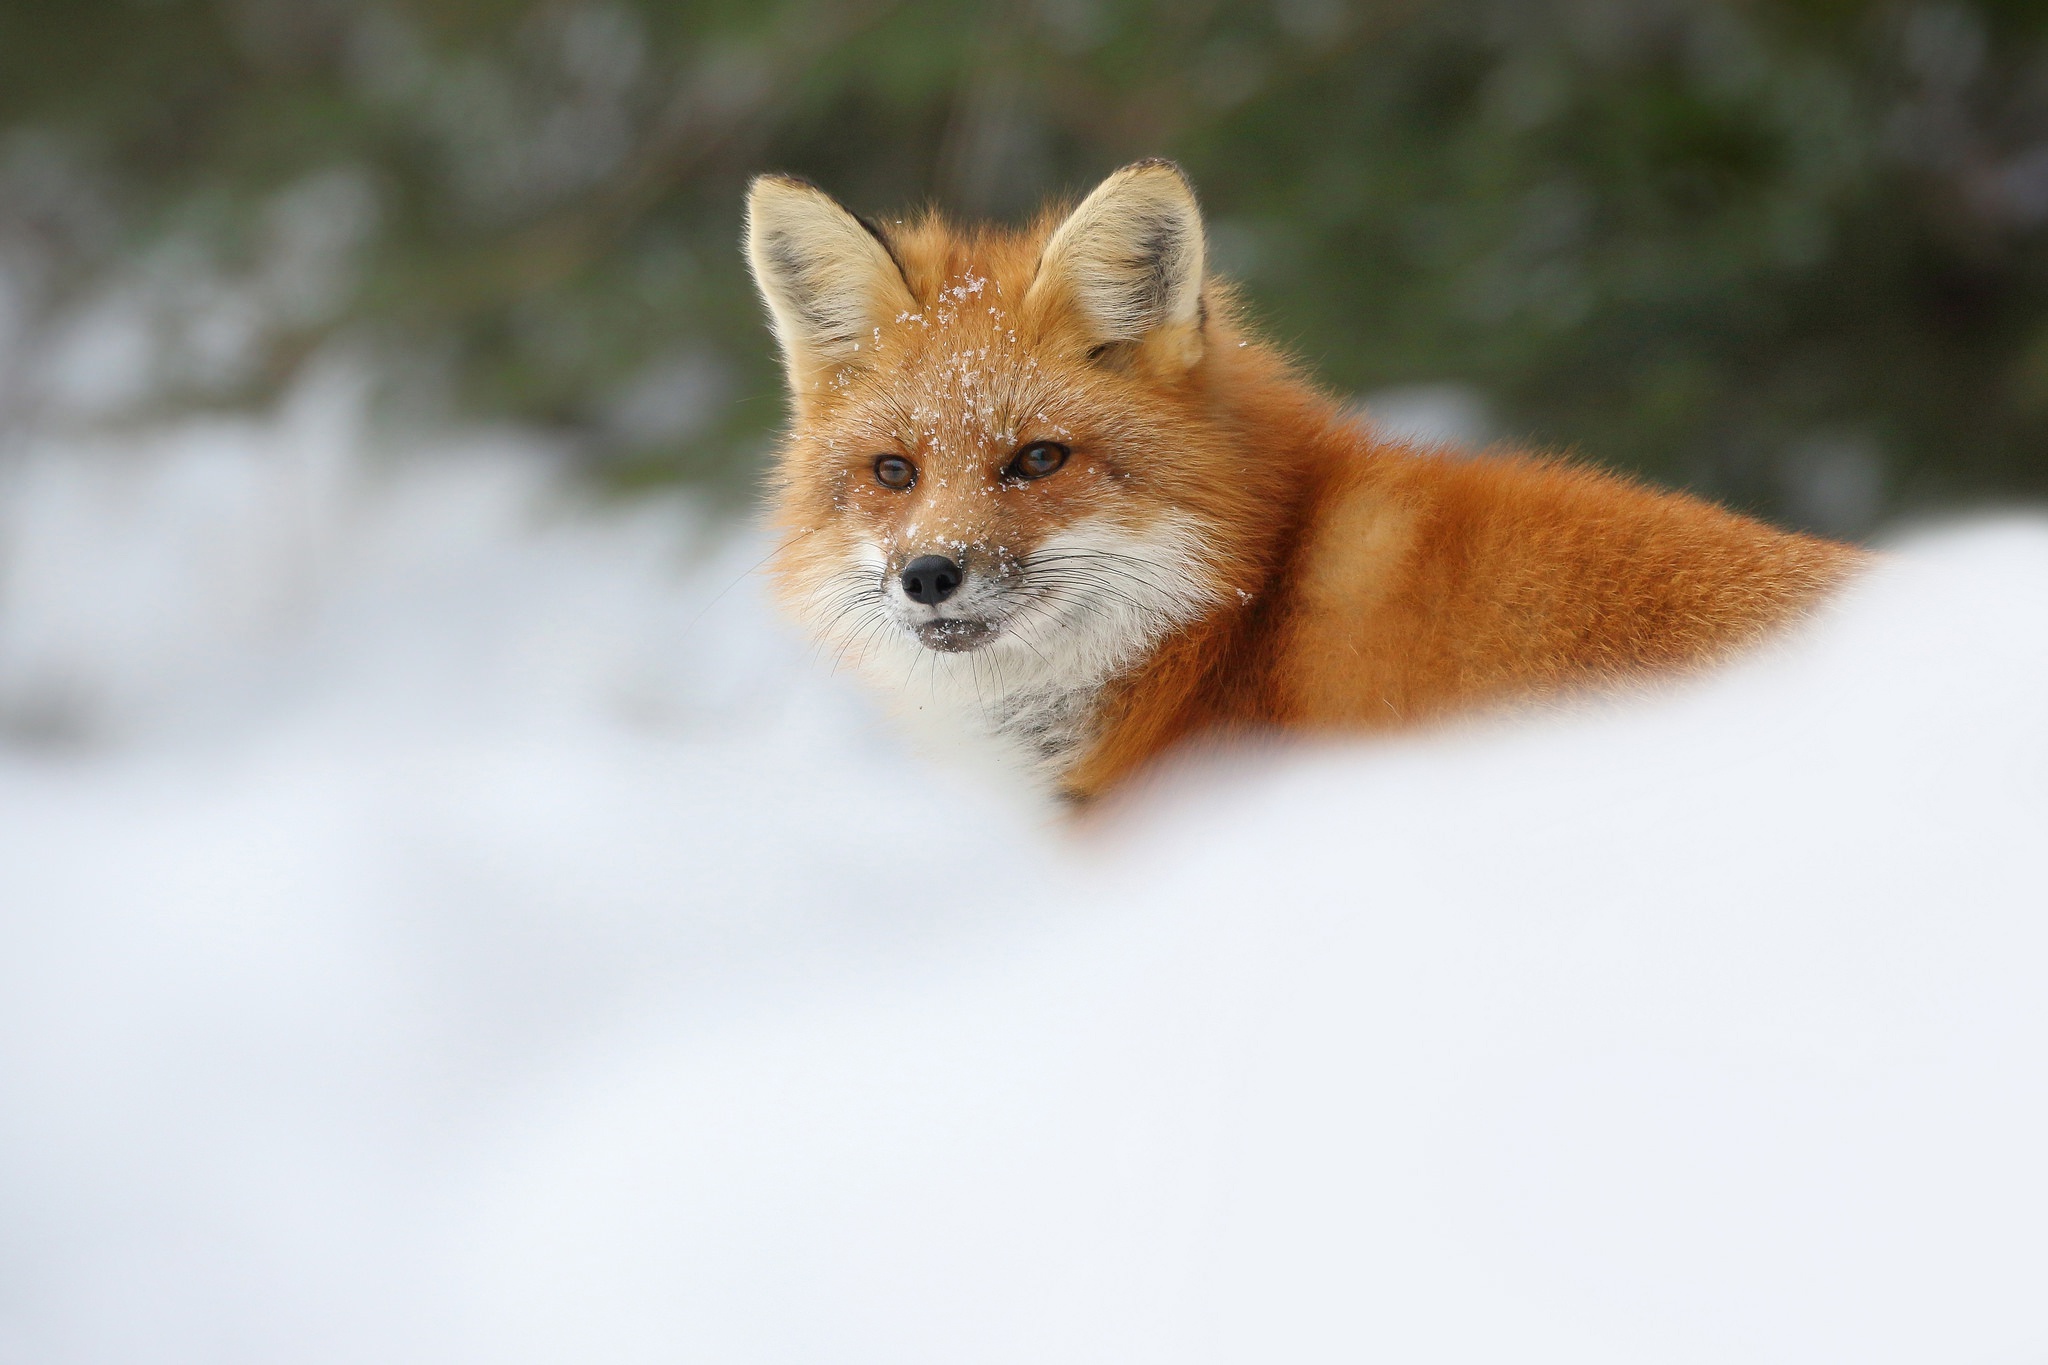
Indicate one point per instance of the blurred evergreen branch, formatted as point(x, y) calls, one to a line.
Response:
point(1789, 253)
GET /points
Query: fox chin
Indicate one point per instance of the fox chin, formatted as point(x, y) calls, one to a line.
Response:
point(1046, 486)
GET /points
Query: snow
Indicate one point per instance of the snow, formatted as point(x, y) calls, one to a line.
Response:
point(447, 918)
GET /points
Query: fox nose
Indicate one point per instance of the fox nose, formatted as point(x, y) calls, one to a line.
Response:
point(930, 579)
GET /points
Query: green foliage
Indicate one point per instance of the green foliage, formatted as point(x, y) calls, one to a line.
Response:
point(1791, 254)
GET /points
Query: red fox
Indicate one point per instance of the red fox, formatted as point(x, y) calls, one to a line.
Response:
point(1045, 484)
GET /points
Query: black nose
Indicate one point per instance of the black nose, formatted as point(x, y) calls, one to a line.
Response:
point(930, 579)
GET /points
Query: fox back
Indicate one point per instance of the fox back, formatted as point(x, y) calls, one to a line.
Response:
point(1042, 486)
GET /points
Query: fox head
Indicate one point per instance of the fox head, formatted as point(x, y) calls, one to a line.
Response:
point(1009, 460)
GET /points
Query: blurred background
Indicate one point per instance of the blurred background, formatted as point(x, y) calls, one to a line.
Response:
point(1791, 254)
point(445, 916)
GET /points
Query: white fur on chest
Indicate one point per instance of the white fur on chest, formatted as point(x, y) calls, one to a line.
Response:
point(1036, 734)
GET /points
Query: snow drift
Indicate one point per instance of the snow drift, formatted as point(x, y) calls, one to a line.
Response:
point(444, 920)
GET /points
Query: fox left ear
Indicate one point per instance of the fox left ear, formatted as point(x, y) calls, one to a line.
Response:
point(827, 277)
point(1129, 262)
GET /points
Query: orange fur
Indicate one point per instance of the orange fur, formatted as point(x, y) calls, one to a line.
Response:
point(1348, 583)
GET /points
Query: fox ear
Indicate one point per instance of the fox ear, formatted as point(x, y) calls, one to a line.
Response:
point(1129, 261)
point(828, 278)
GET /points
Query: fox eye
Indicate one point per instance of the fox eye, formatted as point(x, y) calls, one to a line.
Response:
point(1037, 460)
point(893, 471)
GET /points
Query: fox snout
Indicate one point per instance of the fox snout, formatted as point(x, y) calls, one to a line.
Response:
point(951, 602)
point(930, 579)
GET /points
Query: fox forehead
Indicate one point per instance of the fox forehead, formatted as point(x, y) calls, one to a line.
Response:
point(959, 396)
point(960, 377)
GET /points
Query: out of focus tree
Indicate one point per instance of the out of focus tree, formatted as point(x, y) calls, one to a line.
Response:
point(1794, 254)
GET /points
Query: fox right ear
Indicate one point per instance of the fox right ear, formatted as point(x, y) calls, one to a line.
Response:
point(827, 278)
point(1129, 263)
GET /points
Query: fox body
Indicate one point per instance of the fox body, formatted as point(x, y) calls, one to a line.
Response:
point(1044, 487)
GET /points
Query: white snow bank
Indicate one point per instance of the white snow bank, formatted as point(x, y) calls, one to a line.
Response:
point(438, 926)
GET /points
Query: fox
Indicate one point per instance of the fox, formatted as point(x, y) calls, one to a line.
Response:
point(1048, 490)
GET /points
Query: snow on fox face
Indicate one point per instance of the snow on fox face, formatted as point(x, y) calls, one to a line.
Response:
point(982, 482)
point(968, 502)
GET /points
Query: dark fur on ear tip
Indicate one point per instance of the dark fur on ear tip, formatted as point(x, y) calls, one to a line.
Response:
point(785, 178)
point(1164, 163)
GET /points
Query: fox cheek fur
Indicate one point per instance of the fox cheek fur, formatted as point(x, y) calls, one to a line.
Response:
point(1042, 483)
